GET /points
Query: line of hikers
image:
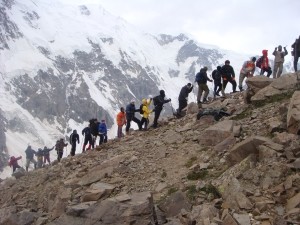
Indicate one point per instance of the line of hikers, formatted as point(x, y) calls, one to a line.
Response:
point(220, 76)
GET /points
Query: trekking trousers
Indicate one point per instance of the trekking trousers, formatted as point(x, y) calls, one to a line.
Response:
point(46, 159)
point(156, 116)
point(120, 131)
point(59, 155)
point(241, 79)
point(144, 121)
point(202, 87)
point(233, 82)
point(296, 57)
point(103, 138)
point(134, 119)
point(277, 71)
point(182, 105)
point(73, 148)
point(217, 87)
point(268, 70)
point(28, 161)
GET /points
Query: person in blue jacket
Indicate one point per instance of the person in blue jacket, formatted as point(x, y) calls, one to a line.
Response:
point(102, 130)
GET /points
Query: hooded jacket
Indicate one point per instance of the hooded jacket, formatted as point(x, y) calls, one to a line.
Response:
point(121, 118)
point(265, 62)
point(145, 108)
point(184, 93)
point(14, 161)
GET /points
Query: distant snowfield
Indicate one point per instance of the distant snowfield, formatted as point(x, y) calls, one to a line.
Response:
point(62, 28)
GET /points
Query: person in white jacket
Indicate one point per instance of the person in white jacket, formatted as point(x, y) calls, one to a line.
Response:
point(278, 61)
point(247, 70)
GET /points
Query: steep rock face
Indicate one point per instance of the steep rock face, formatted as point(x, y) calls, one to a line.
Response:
point(9, 30)
point(3, 148)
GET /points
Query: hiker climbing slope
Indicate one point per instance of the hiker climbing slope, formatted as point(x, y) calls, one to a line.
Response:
point(13, 162)
point(121, 121)
point(296, 53)
point(183, 97)
point(130, 115)
point(74, 139)
point(216, 76)
point(158, 102)
point(228, 75)
point(201, 79)
point(102, 129)
point(60, 148)
point(29, 157)
point(145, 111)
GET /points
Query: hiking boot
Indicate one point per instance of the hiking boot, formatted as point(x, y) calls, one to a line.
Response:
point(205, 100)
point(217, 94)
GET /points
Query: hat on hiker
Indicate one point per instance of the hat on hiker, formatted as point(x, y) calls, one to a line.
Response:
point(253, 59)
point(227, 62)
point(132, 101)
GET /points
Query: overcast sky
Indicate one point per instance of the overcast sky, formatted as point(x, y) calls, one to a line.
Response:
point(245, 26)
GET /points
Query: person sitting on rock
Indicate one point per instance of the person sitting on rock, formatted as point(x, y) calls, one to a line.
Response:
point(102, 129)
point(13, 162)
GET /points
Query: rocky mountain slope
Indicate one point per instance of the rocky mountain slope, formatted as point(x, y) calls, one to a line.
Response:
point(63, 64)
point(240, 170)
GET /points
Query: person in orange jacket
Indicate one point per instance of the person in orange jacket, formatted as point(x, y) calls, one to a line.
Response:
point(13, 162)
point(265, 66)
point(121, 121)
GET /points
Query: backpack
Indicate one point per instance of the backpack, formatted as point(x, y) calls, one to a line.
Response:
point(141, 109)
point(155, 100)
point(198, 77)
point(259, 62)
point(71, 137)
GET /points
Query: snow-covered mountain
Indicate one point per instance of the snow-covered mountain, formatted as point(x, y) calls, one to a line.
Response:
point(63, 64)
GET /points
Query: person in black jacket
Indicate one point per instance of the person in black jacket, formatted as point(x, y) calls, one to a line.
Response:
point(201, 79)
point(296, 53)
point(94, 123)
point(86, 132)
point(183, 97)
point(46, 153)
point(158, 102)
point(74, 137)
point(228, 75)
point(216, 76)
point(29, 157)
point(130, 116)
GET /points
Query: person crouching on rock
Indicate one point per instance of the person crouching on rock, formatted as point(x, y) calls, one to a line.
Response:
point(13, 162)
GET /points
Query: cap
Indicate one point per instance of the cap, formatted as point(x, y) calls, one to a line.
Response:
point(205, 68)
point(253, 59)
point(132, 101)
point(227, 61)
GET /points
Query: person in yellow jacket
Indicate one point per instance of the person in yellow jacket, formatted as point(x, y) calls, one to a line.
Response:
point(145, 111)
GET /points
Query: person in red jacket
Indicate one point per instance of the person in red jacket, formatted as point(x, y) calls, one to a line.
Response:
point(265, 66)
point(121, 121)
point(13, 162)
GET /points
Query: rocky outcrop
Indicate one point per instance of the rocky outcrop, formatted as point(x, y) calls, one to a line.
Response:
point(293, 115)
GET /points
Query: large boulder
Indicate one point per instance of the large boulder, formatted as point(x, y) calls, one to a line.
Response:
point(217, 133)
point(281, 85)
point(250, 146)
point(293, 116)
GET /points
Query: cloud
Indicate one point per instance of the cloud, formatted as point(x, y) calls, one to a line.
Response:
point(246, 26)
